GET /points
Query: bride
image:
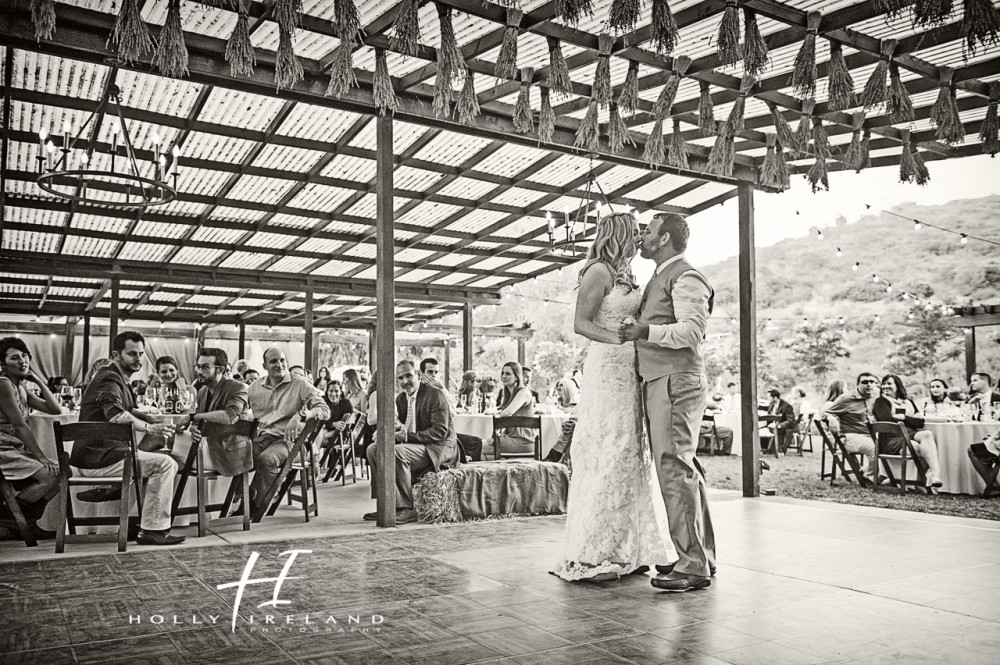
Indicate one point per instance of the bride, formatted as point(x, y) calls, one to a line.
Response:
point(616, 519)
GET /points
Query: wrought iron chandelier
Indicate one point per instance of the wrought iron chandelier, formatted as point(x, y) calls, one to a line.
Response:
point(580, 224)
point(92, 175)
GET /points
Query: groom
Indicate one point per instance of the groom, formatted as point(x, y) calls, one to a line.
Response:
point(668, 335)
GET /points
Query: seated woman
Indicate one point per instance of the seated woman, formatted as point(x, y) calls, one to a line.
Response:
point(33, 475)
point(174, 391)
point(893, 405)
point(340, 410)
point(836, 388)
point(322, 379)
point(467, 391)
point(938, 400)
point(515, 400)
point(488, 394)
point(354, 390)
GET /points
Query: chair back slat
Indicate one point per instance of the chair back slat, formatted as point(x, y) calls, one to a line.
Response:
point(528, 422)
point(91, 430)
point(247, 428)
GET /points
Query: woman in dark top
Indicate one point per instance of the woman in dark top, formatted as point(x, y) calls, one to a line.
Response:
point(340, 408)
point(893, 406)
point(323, 380)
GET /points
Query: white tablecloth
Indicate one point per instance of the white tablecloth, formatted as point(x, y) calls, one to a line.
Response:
point(732, 421)
point(482, 426)
point(953, 440)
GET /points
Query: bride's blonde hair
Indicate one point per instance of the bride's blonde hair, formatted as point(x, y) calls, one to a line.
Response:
point(615, 234)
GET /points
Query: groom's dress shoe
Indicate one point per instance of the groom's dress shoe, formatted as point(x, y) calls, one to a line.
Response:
point(680, 582)
point(669, 568)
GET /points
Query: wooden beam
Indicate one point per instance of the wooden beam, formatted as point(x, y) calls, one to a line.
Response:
point(8, 74)
point(98, 295)
point(970, 353)
point(748, 344)
point(113, 326)
point(307, 336)
point(385, 330)
point(467, 337)
point(85, 365)
point(69, 336)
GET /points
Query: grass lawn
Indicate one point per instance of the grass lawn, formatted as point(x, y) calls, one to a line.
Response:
point(798, 477)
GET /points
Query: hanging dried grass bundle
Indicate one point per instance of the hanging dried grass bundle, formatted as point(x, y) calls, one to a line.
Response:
point(239, 49)
point(817, 174)
point(755, 52)
point(891, 7)
point(131, 34)
point(706, 112)
point(677, 155)
point(923, 175)
point(854, 158)
point(841, 93)
point(287, 14)
point(588, 136)
point(786, 137)
point(559, 79)
point(573, 10)
point(450, 58)
point(980, 23)
point(382, 93)
point(944, 113)
point(602, 75)
point(444, 94)
point(624, 15)
point(931, 12)
point(618, 134)
point(898, 104)
point(988, 132)
point(720, 160)
point(171, 56)
point(774, 170)
point(907, 167)
point(547, 118)
point(468, 102)
point(661, 108)
point(664, 27)
point(524, 121)
point(804, 130)
point(655, 151)
point(43, 17)
point(287, 68)
point(875, 90)
point(866, 137)
point(346, 20)
point(406, 28)
point(728, 41)
point(342, 70)
point(628, 99)
point(805, 73)
point(735, 120)
point(506, 67)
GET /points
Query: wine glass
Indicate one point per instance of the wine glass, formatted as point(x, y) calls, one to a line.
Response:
point(65, 395)
point(77, 398)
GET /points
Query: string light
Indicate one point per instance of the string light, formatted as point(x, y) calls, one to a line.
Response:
point(855, 266)
point(919, 223)
point(840, 320)
point(877, 318)
point(819, 235)
point(964, 240)
point(839, 253)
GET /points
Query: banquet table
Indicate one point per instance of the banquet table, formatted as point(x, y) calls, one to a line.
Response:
point(481, 425)
point(953, 440)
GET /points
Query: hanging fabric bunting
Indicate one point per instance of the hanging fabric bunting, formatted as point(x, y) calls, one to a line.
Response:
point(602, 75)
point(655, 151)
point(805, 73)
point(841, 94)
point(618, 134)
point(677, 153)
point(547, 118)
point(875, 90)
point(624, 15)
point(661, 108)
point(506, 67)
point(804, 130)
point(817, 174)
point(131, 34)
point(944, 113)
point(171, 56)
point(988, 132)
point(524, 121)
point(468, 103)
point(706, 112)
point(43, 17)
point(406, 28)
point(239, 49)
point(854, 158)
point(664, 27)
point(980, 24)
point(588, 136)
point(382, 93)
point(931, 12)
point(628, 99)
point(755, 52)
point(728, 41)
point(559, 79)
point(898, 104)
point(774, 170)
point(786, 137)
point(572, 11)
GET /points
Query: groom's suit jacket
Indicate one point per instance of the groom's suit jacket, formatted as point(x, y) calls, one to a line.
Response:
point(435, 428)
point(655, 360)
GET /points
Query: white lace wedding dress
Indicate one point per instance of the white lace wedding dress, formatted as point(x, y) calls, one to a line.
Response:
point(616, 518)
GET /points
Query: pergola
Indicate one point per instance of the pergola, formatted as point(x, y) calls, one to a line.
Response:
point(969, 318)
point(290, 199)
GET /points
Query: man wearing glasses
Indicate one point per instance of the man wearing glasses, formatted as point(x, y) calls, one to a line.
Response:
point(850, 416)
point(221, 400)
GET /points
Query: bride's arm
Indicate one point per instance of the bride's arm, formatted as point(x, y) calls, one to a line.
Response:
point(594, 285)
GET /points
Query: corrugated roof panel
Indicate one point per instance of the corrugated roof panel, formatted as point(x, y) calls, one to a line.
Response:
point(565, 169)
point(189, 208)
point(427, 214)
point(452, 149)
point(259, 189)
point(295, 221)
point(406, 177)
point(307, 44)
point(659, 187)
point(292, 264)
point(707, 191)
point(30, 241)
point(287, 158)
point(236, 108)
point(157, 93)
point(198, 256)
point(144, 251)
point(322, 245)
point(160, 230)
point(510, 160)
point(318, 123)
point(515, 196)
point(272, 240)
point(209, 234)
point(92, 247)
point(33, 216)
point(335, 268)
point(321, 198)
point(416, 276)
point(59, 76)
point(477, 220)
point(467, 188)
point(216, 148)
point(245, 260)
point(347, 167)
point(236, 214)
point(403, 136)
point(523, 225)
point(201, 181)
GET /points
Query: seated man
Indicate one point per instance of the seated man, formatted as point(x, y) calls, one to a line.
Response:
point(724, 446)
point(425, 437)
point(526, 375)
point(981, 394)
point(784, 428)
point(276, 401)
point(560, 450)
point(470, 447)
point(850, 415)
point(221, 400)
point(109, 398)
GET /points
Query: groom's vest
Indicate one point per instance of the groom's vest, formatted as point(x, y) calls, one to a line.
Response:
point(656, 361)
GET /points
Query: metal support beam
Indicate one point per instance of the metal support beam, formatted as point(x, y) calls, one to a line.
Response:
point(748, 345)
point(308, 332)
point(385, 333)
point(467, 337)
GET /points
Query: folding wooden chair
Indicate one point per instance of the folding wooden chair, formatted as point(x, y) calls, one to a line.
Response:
point(987, 466)
point(194, 467)
point(713, 438)
point(17, 519)
point(881, 431)
point(765, 420)
point(804, 434)
point(527, 422)
point(341, 445)
point(840, 457)
point(274, 494)
point(129, 478)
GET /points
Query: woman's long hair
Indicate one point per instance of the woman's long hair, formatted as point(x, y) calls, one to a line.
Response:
point(614, 246)
point(900, 390)
point(835, 390)
point(944, 395)
point(468, 386)
point(507, 395)
point(352, 382)
point(326, 393)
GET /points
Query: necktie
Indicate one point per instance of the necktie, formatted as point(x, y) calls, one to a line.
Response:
point(411, 415)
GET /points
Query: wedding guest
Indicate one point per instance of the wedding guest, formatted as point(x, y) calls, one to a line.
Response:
point(938, 398)
point(731, 400)
point(173, 390)
point(468, 388)
point(981, 395)
point(515, 400)
point(56, 383)
point(725, 434)
point(892, 406)
point(250, 376)
point(354, 390)
point(487, 394)
point(365, 375)
point(340, 409)
point(33, 475)
point(801, 405)
point(784, 427)
point(470, 447)
point(322, 379)
point(526, 375)
point(850, 415)
point(298, 371)
point(221, 400)
point(836, 388)
point(96, 367)
point(559, 450)
point(569, 390)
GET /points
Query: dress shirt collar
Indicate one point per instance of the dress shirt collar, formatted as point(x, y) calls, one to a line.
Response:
point(673, 259)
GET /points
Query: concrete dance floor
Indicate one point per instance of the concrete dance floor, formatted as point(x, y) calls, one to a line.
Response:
point(799, 583)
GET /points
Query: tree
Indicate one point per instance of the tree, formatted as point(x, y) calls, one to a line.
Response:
point(815, 348)
point(926, 343)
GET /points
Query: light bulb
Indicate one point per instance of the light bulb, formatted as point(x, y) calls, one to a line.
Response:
point(888, 289)
point(84, 159)
point(548, 214)
point(875, 278)
point(840, 320)
point(156, 138)
point(965, 239)
point(916, 225)
point(855, 266)
point(43, 134)
point(67, 127)
point(50, 147)
point(114, 128)
point(839, 253)
point(877, 318)
point(176, 151)
point(819, 234)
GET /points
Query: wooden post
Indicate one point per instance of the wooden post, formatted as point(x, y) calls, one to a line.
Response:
point(970, 353)
point(67, 359)
point(748, 343)
point(85, 367)
point(385, 328)
point(520, 351)
point(447, 363)
point(372, 360)
point(113, 329)
point(466, 337)
point(243, 341)
point(308, 335)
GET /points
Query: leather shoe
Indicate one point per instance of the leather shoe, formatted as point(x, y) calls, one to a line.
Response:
point(370, 517)
point(157, 538)
point(406, 516)
point(100, 494)
point(669, 568)
point(680, 582)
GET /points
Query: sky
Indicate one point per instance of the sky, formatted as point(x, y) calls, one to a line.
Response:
point(714, 232)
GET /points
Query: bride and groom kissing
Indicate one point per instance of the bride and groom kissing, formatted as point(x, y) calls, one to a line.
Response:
point(637, 497)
